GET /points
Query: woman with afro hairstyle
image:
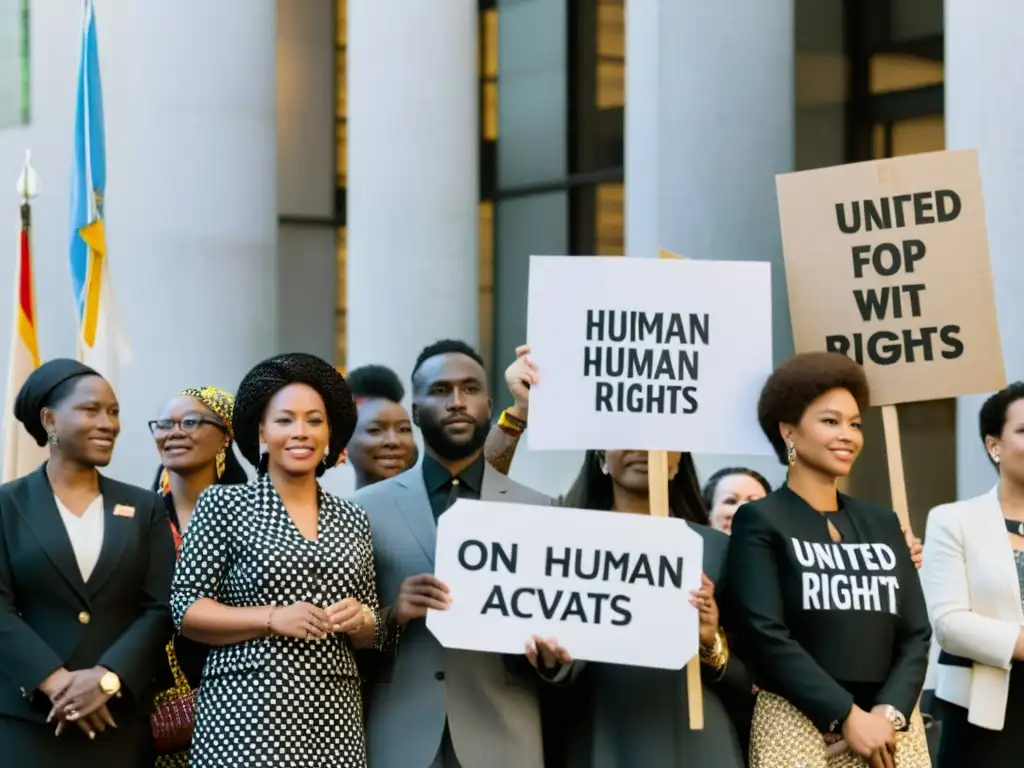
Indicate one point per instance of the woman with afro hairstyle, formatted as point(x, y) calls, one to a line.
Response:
point(825, 598)
point(278, 577)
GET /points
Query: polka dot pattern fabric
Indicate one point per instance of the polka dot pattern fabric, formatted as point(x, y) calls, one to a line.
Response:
point(276, 701)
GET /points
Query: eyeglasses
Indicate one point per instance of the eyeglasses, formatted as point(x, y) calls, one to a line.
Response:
point(188, 424)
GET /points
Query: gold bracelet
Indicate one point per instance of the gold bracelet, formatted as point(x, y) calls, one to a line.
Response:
point(510, 424)
point(270, 617)
point(717, 655)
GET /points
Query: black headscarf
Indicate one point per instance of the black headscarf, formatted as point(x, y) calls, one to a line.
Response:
point(35, 393)
point(269, 377)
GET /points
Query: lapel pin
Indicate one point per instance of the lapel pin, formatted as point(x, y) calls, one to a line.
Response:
point(123, 510)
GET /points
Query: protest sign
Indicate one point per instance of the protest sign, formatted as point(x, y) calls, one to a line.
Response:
point(648, 354)
point(611, 587)
point(887, 262)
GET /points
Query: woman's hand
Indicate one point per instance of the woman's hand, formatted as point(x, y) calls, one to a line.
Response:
point(519, 377)
point(82, 696)
point(546, 652)
point(915, 546)
point(347, 616)
point(300, 620)
point(703, 600)
point(866, 733)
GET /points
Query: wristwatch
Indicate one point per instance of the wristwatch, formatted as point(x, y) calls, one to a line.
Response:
point(110, 684)
point(894, 716)
point(368, 617)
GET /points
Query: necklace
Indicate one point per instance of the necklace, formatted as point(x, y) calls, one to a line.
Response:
point(1014, 526)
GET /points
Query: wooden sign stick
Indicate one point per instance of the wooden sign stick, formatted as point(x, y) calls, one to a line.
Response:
point(657, 488)
point(894, 457)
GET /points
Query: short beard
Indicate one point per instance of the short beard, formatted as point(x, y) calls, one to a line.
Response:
point(434, 437)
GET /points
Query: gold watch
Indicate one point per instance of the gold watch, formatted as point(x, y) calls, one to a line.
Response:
point(110, 684)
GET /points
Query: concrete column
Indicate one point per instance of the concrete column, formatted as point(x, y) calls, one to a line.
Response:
point(985, 111)
point(189, 89)
point(709, 122)
point(413, 188)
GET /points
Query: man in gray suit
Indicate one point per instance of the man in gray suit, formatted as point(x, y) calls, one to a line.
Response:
point(427, 706)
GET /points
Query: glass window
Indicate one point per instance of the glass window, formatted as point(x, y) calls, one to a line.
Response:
point(888, 72)
point(610, 220)
point(14, 63)
point(341, 166)
point(486, 282)
point(611, 54)
point(489, 74)
point(341, 336)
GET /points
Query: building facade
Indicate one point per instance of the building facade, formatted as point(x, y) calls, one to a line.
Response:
point(357, 178)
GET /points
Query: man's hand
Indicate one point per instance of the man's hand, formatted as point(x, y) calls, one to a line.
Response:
point(546, 652)
point(519, 377)
point(418, 594)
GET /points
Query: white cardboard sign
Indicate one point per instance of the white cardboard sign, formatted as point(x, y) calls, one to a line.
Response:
point(649, 354)
point(611, 587)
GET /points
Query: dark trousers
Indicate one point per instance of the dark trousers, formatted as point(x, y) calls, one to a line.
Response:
point(963, 745)
point(27, 744)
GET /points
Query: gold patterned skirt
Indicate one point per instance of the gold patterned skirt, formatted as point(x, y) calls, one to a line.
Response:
point(782, 737)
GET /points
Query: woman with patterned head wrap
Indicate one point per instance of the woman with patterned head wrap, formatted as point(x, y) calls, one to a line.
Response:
point(278, 576)
point(193, 435)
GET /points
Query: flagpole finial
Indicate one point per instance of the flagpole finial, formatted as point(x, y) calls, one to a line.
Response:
point(28, 180)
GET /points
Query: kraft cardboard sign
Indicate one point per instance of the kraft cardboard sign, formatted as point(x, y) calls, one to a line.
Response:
point(887, 262)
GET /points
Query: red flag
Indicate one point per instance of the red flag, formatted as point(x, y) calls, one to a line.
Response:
point(21, 454)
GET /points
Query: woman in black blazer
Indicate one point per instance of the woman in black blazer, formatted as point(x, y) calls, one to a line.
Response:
point(824, 595)
point(85, 573)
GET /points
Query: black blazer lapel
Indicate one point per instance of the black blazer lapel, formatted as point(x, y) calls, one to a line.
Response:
point(116, 532)
point(39, 510)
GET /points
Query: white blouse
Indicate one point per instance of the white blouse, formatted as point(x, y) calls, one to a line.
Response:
point(85, 532)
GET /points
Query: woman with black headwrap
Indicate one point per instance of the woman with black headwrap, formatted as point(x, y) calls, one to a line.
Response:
point(278, 576)
point(85, 573)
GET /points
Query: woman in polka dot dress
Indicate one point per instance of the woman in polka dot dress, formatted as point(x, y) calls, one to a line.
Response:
point(278, 577)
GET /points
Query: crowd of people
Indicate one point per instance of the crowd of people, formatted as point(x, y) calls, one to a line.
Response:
point(218, 620)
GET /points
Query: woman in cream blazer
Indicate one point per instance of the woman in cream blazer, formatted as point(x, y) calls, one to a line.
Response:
point(972, 575)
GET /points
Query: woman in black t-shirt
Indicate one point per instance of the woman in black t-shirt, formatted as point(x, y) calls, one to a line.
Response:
point(825, 598)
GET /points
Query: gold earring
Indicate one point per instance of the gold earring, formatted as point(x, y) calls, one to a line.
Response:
point(221, 461)
point(790, 452)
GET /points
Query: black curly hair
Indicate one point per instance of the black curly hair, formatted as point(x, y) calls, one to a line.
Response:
point(445, 347)
point(592, 489)
point(375, 381)
point(269, 377)
point(992, 417)
point(800, 381)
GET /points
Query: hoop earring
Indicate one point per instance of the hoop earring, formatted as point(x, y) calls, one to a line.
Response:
point(221, 460)
point(790, 452)
point(51, 438)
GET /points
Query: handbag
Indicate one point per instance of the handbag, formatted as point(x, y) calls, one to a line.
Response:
point(783, 737)
point(174, 719)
